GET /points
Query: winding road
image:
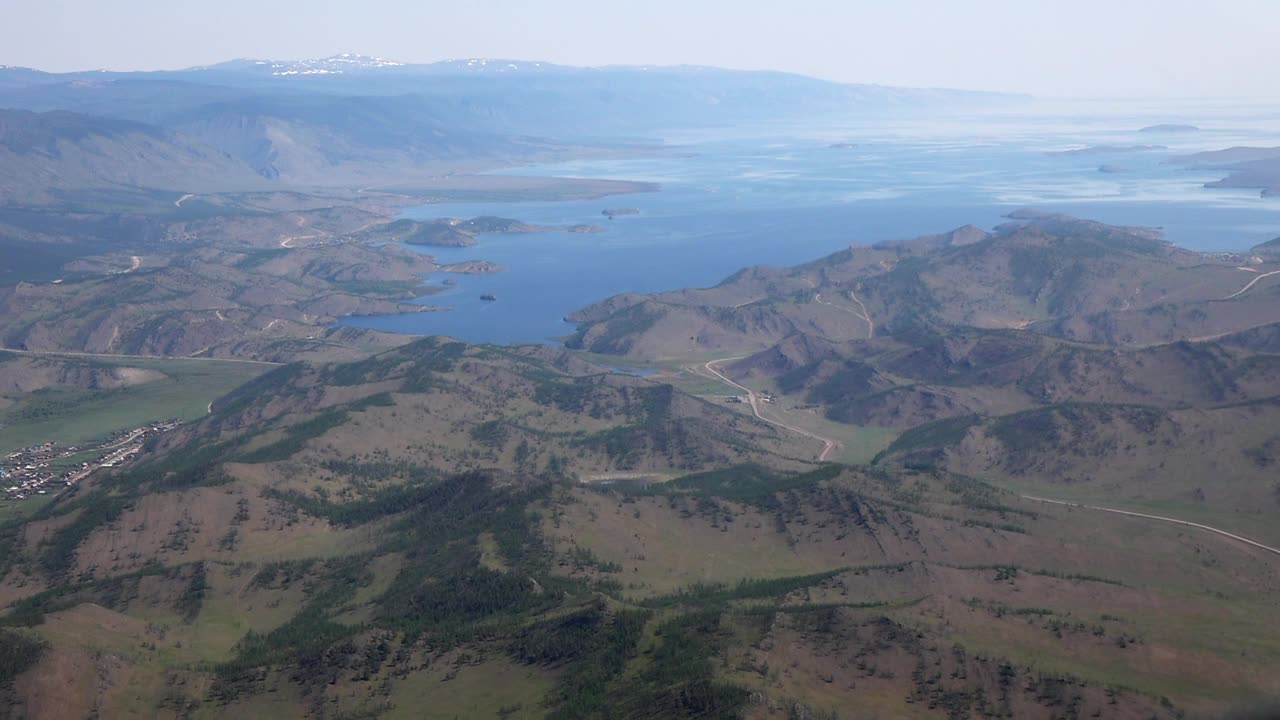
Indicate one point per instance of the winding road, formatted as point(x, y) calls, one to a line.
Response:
point(1175, 521)
point(829, 445)
point(1252, 282)
point(301, 222)
point(864, 315)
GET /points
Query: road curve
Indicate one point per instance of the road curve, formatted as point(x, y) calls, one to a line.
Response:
point(829, 446)
point(863, 316)
point(1252, 282)
point(866, 315)
point(1208, 528)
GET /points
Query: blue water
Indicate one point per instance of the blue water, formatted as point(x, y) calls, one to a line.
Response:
point(781, 196)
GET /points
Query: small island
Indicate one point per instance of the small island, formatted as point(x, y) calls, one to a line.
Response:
point(1105, 150)
point(471, 267)
point(1109, 169)
point(455, 232)
point(611, 213)
point(1169, 128)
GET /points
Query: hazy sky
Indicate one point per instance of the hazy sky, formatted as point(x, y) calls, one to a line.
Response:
point(1048, 47)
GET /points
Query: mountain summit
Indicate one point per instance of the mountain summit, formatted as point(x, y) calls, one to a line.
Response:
point(333, 65)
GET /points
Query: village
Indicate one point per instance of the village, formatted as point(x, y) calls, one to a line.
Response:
point(746, 399)
point(36, 470)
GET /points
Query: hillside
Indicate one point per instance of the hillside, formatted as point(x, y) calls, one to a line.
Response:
point(1056, 356)
point(262, 304)
point(447, 530)
point(877, 383)
point(1211, 464)
point(343, 141)
point(1269, 250)
point(1052, 274)
point(46, 156)
point(81, 400)
point(1183, 426)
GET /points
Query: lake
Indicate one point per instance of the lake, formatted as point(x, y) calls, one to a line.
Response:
point(732, 198)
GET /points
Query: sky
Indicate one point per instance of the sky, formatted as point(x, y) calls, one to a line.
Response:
point(1050, 48)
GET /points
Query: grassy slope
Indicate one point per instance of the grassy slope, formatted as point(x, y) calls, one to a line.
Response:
point(1210, 616)
point(373, 575)
point(80, 416)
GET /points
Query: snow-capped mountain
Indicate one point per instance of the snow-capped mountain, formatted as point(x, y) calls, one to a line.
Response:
point(335, 65)
point(491, 65)
point(351, 63)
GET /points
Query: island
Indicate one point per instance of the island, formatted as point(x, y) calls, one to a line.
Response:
point(471, 267)
point(1169, 128)
point(1104, 150)
point(611, 213)
point(1248, 167)
point(454, 232)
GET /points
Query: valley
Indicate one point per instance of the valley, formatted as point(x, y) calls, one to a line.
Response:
point(82, 399)
point(726, 566)
point(830, 446)
point(349, 389)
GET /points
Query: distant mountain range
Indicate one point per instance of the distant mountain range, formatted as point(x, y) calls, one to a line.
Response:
point(351, 119)
point(43, 156)
point(338, 64)
point(354, 63)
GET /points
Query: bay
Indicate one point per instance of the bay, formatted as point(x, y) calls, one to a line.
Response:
point(737, 197)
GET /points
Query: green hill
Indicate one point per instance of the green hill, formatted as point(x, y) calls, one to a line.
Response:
point(444, 529)
point(1056, 275)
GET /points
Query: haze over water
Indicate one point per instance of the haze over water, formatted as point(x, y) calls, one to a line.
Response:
point(782, 196)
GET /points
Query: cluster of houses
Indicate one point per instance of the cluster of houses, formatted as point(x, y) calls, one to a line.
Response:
point(35, 470)
point(27, 470)
point(746, 399)
point(1234, 258)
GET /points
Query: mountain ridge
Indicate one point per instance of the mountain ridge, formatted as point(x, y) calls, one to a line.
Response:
point(355, 62)
point(1050, 273)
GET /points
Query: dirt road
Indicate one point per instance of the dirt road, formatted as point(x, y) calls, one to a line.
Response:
point(1252, 282)
point(863, 315)
point(829, 445)
point(1175, 521)
point(866, 315)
